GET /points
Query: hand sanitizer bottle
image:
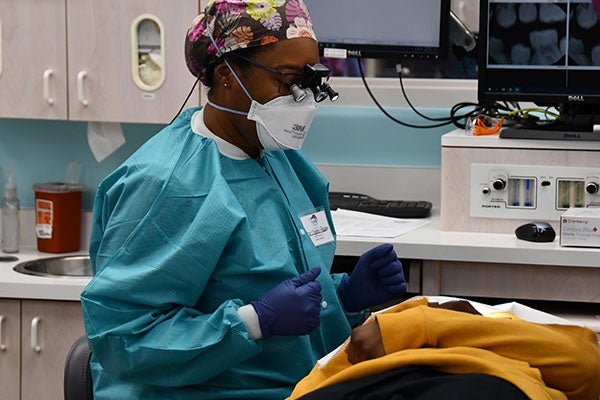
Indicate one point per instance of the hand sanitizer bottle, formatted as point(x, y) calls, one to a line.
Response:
point(10, 217)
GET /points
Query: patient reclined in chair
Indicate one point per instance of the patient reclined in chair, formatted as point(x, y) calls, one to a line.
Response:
point(542, 360)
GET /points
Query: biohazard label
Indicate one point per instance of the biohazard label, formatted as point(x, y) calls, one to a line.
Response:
point(44, 214)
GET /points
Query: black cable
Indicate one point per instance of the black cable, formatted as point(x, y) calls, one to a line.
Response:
point(399, 71)
point(362, 75)
point(477, 110)
point(185, 101)
point(452, 119)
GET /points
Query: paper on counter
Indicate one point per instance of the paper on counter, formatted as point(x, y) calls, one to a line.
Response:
point(354, 223)
point(104, 138)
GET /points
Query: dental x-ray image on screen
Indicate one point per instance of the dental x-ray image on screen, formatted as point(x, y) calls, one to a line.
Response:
point(545, 52)
point(544, 33)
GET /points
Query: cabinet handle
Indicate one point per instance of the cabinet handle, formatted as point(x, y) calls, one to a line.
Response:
point(34, 334)
point(80, 77)
point(1, 39)
point(47, 74)
point(2, 345)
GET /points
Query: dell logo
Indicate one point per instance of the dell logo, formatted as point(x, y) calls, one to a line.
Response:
point(575, 98)
point(354, 53)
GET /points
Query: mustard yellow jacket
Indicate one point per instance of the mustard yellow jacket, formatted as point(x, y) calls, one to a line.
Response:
point(555, 362)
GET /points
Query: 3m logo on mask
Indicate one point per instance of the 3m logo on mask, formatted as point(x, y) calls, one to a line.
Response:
point(298, 131)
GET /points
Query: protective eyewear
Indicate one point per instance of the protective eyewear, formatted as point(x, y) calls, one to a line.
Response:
point(315, 77)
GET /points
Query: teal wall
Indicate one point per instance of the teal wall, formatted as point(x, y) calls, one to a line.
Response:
point(40, 151)
point(359, 135)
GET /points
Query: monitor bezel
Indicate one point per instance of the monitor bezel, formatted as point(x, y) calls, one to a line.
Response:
point(370, 50)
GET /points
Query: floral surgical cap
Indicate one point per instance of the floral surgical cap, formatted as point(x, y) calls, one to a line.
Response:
point(240, 24)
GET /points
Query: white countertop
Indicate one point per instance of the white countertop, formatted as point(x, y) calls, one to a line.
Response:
point(458, 138)
point(430, 243)
point(17, 285)
point(426, 243)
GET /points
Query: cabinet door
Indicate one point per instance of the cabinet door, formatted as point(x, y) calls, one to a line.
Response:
point(49, 328)
point(101, 87)
point(10, 348)
point(33, 60)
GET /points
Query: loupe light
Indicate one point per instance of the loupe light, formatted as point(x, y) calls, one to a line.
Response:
point(319, 94)
point(333, 95)
point(298, 93)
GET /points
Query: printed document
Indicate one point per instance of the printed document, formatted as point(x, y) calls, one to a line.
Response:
point(354, 223)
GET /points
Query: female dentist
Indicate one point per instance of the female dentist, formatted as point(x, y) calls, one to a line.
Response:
point(212, 244)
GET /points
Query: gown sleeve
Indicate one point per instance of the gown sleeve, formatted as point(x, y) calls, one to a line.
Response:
point(153, 252)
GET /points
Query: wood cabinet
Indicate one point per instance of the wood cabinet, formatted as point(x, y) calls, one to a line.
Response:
point(75, 59)
point(33, 57)
point(10, 348)
point(37, 335)
point(100, 60)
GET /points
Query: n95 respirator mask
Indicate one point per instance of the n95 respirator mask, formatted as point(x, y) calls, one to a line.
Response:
point(282, 123)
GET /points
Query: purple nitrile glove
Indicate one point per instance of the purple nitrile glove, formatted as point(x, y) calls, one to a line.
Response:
point(291, 308)
point(377, 277)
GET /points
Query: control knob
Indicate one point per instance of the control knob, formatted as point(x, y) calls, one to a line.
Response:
point(592, 187)
point(499, 184)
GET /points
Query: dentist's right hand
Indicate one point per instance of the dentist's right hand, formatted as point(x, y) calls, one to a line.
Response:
point(291, 308)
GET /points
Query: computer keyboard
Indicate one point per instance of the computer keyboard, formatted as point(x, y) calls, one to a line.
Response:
point(388, 208)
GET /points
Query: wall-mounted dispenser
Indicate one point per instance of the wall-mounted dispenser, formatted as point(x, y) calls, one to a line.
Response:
point(148, 67)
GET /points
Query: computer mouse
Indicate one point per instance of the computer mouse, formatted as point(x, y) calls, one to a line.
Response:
point(536, 231)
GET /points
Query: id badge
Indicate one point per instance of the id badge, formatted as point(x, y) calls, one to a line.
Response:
point(317, 227)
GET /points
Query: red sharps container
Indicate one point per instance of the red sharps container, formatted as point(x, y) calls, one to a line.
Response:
point(58, 216)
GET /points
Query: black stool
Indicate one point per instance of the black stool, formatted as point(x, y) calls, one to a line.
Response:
point(78, 377)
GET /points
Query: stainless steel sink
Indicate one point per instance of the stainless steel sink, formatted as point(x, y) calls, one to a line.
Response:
point(57, 267)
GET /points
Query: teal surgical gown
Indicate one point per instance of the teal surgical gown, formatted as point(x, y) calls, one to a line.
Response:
point(182, 236)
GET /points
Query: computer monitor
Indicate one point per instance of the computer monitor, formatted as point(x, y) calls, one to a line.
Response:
point(542, 52)
point(399, 29)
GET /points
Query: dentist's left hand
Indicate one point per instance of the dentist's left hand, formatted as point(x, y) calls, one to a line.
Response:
point(291, 308)
point(377, 277)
